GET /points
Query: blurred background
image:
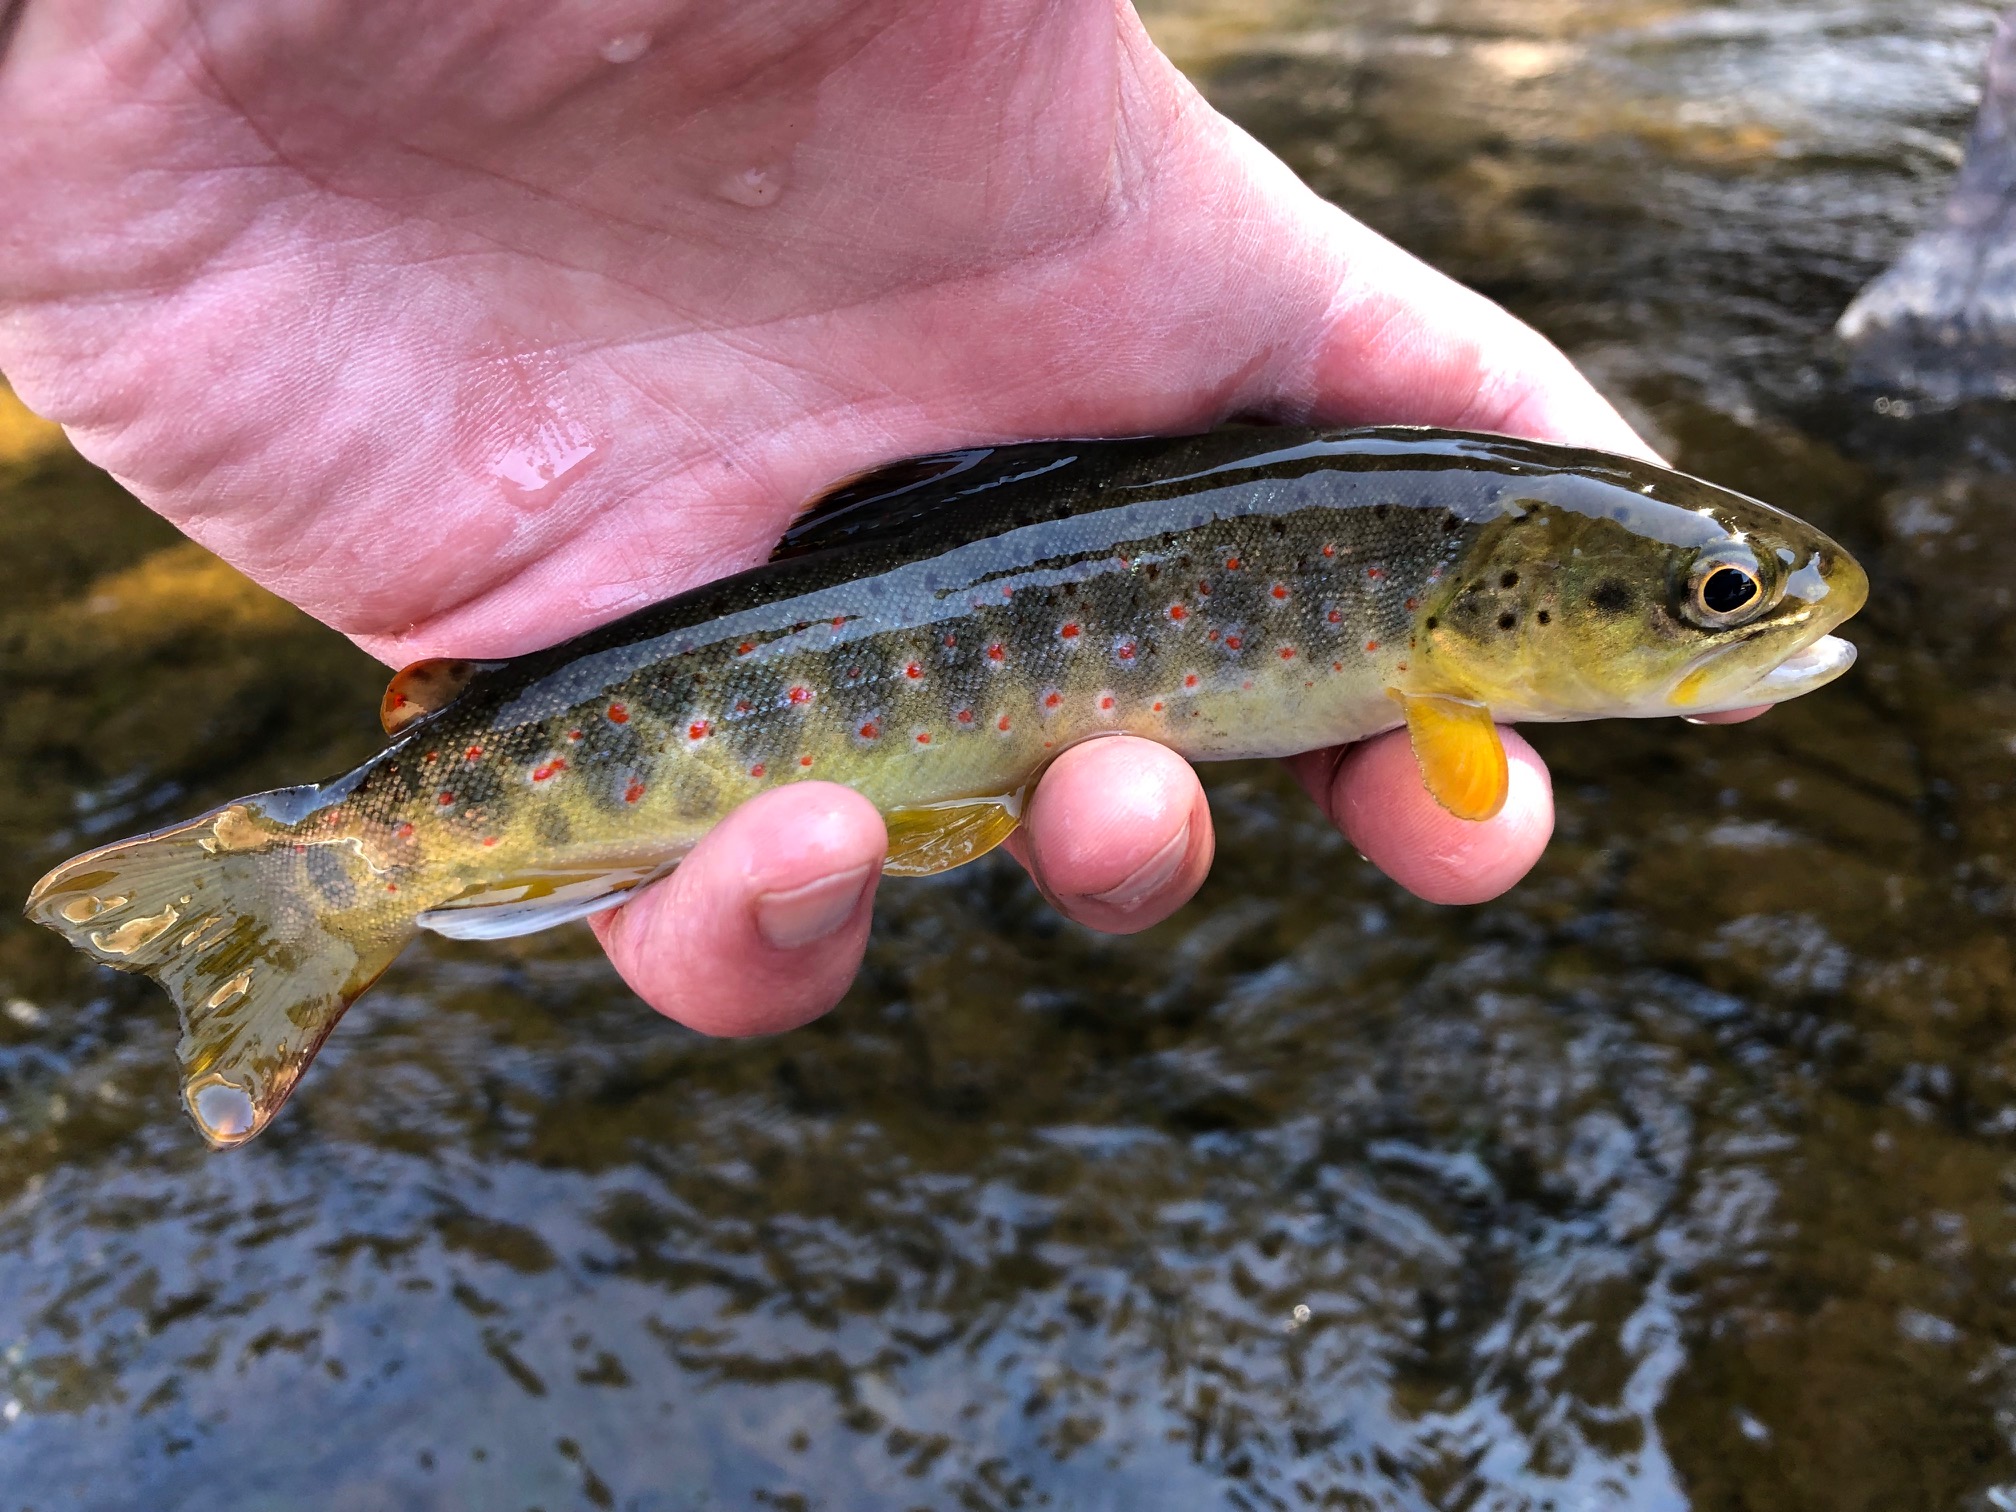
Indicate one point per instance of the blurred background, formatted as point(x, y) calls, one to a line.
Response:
point(1684, 1176)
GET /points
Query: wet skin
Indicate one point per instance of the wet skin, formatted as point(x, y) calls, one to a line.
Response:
point(482, 370)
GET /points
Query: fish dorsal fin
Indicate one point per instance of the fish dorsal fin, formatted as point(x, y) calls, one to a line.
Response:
point(1462, 760)
point(426, 687)
point(889, 499)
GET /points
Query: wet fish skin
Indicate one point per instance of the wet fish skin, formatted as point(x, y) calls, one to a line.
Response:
point(932, 636)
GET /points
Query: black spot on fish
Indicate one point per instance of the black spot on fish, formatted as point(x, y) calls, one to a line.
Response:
point(1545, 618)
point(1432, 622)
point(1153, 572)
point(1507, 620)
point(1613, 597)
point(1277, 527)
point(1070, 590)
point(1510, 580)
point(1452, 524)
point(1379, 511)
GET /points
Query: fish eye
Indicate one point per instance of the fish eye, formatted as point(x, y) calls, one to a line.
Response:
point(1725, 589)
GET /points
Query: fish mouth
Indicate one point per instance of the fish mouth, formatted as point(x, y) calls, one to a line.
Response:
point(1811, 666)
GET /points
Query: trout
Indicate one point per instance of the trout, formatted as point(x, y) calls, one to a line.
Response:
point(931, 635)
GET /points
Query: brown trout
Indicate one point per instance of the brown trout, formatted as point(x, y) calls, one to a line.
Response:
point(932, 634)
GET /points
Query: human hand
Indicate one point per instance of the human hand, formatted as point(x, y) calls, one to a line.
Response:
point(469, 327)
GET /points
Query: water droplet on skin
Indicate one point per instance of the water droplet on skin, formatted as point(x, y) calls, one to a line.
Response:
point(626, 47)
point(224, 1111)
point(758, 188)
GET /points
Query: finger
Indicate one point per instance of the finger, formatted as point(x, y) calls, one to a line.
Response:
point(1117, 834)
point(1732, 716)
point(1374, 794)
point(762, 926)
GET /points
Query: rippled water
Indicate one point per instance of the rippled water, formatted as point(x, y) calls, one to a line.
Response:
point(1681, 1176)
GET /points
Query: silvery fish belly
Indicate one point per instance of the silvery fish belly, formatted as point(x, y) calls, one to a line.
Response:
point(931, 635)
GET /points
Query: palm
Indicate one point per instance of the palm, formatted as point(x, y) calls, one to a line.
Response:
point(466, 327)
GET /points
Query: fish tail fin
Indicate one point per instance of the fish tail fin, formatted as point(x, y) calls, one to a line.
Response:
point(261, 938)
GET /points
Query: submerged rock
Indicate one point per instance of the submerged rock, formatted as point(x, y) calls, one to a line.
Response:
point(1942, 321)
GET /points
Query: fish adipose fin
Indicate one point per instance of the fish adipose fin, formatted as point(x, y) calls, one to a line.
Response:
point(426, 687)
point(1462, 760)
point(261, 940)
point(927, 840)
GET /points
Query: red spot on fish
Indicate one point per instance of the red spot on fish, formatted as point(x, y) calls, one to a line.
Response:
point(548, 769)
point(445, 799)
point(1106, 700)
point(1212, 636)
point(1158, 706)
point(473, 753)
point(1190, 680)
point(573, 734)
point(1233, 643)
point(1279, 590)
point(1336, 666)
point(398, 700)
point(1002, 724)
point(1371, 645)
point(633, 791)
point(839, 621)
point(870, 730)
point(756, 770)
point(1247, 684)
point(1069, 631)
point(1125, 650)
point(618, 714)
point(1052, 699)
point(1231, 564)
point(431, 757)
point(996, 652)
point(1329, 550)
point(964, 716)
point(1177, 612)
point(404, 832)
point(804, 761)
point(923, 737)
point(391, 887)
point(1007, 592)
point(1335, 616)
point(1374, 572)
point(913, 671)
point(799, 695)
point(1413, 603)
point(1287, 653)
point(698, 730)
point(1203, 589)
point(951, 641)
point(745, 648)
point(741, 706)
point(489, 840)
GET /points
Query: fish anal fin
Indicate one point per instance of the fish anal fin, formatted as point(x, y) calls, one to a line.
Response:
point(1457, 748)
point(426, 687)
point(528, 902)
point(929, 839)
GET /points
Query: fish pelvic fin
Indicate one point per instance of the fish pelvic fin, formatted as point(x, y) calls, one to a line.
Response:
point(1457, 747)
point(261, 936)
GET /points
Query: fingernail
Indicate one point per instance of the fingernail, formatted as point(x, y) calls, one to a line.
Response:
point(791, 920)
point(1151, 876)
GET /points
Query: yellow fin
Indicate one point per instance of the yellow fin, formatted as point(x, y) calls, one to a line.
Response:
point(940, 836)
point(1456, 745)
point(425, 688)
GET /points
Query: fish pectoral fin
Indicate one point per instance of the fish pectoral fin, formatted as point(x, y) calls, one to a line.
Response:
point(426, 687)
point(933, 838)
point(1456, 745)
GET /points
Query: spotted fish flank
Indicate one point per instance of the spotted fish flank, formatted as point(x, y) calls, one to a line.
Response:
point(931, 635)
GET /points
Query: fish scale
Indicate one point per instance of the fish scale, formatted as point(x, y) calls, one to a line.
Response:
point(931, 635)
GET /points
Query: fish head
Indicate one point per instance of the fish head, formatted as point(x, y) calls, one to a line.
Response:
point(1633, 591)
